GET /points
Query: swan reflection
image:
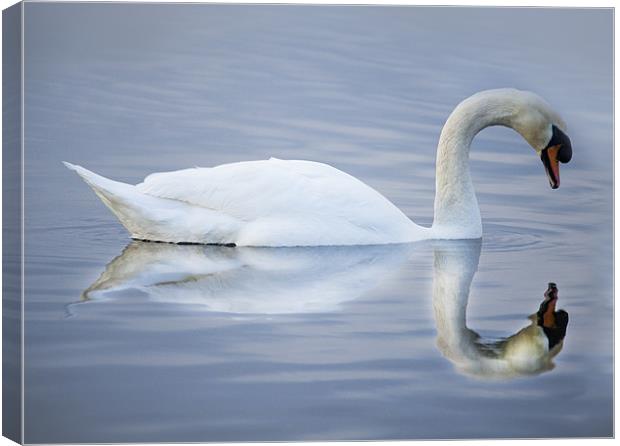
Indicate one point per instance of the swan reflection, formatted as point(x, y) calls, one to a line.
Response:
point(530, 351)
point(319, 279)
point(249, 280)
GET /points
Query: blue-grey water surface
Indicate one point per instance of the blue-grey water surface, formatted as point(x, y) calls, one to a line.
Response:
point(141, 342)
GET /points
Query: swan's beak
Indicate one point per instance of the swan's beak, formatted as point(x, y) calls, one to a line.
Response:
point(549, 158)
point(559, 150)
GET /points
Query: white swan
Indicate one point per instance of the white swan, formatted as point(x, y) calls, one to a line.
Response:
point(304, 203)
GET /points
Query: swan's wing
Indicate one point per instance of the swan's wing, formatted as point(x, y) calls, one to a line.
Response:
point(258, 189)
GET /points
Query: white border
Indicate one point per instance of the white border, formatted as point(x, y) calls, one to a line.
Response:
point(481, 3)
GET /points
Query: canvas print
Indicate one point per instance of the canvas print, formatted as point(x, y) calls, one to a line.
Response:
point(306, 222)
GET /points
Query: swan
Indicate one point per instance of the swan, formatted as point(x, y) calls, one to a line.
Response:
point(304, 203)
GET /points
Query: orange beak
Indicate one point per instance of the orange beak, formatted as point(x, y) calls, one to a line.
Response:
point(549, 158)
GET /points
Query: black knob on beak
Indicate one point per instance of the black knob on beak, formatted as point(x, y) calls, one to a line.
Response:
point(559, 138)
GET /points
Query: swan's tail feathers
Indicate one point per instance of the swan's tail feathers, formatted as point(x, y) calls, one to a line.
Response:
point(100, 185)
point(149, 217)
point(131, 207)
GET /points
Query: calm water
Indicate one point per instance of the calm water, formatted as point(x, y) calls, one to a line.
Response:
point(142, 342)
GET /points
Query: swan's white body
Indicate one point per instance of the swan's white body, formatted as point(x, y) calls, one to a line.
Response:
point(303, 203)
point(256, 203)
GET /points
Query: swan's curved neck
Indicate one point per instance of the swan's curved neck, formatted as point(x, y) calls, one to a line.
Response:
point(456, 208)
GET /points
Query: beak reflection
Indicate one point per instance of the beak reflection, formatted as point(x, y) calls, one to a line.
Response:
point(552, 322)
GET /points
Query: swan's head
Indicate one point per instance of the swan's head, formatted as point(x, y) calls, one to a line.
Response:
point(544, 130)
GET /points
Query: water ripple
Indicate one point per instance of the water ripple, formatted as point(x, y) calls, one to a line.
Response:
point(511, 238)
